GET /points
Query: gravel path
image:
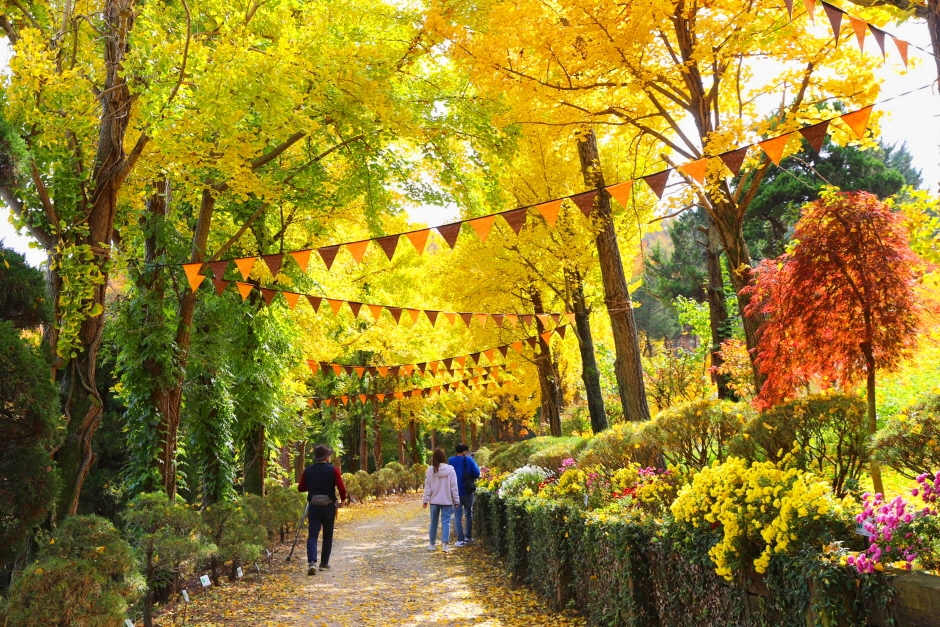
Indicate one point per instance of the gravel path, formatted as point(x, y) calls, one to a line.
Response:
point(382, 575)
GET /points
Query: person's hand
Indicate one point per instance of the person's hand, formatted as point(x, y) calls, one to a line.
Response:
point(339, 504)
point(424, 505)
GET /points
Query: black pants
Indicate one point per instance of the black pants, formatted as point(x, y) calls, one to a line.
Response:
point(320, 516)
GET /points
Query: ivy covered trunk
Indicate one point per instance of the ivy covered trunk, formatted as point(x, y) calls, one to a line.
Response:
point(589, 371)
point(548, 382)
point(88, 256)
point(717, 308)
point(255, 458)
point(627, 365)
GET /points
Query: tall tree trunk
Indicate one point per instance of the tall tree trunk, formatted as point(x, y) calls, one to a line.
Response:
point(627, 365)
point(300, 460)
point(717, 308)
point(81, 401)
point(363, 445)
point(377, 444)
point(433, 440)
point(401, 447)
point(874, 468)
point(474, 440)
point(415, 445)
point(463, 429)
point(255, 461)
point(548, 382)
point(590, 373)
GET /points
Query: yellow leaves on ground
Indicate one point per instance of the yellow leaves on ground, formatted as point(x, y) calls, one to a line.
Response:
point(382, 575)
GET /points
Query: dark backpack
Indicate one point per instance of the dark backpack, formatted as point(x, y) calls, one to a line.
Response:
point(469, 481)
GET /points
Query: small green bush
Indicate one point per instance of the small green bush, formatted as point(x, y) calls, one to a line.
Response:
point(829, 430)
point(384, 481)
point(166, 541)
point(692, 435)
point(353, 489)
point(236, 530)
point(910, 441)
point(400, 480)
point(618, 447)
point(366, 484)
point(416, 476)
point(283, 506)
point(482, 456)
point(83, 576)
point(551, 456)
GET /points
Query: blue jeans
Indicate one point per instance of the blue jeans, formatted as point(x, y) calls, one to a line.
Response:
point(444, 512)
point(465, 509)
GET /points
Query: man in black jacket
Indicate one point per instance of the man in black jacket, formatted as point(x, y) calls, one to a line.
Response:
point(320, 481)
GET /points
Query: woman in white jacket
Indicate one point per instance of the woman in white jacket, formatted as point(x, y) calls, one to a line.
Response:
point(440, 492)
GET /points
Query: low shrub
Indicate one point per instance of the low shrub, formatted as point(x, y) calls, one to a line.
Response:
point(482, 456)
point(400, 480)
point(283, 506)
point(366, 484)
point(824, 433)
point(692, 435)
point(618, 446)
point(551, 457)
point(517, 454)
point(416, 476)
point(84, 576)
point(385, 481)
point(910, 441)
point(235, 529)
point(165, 536)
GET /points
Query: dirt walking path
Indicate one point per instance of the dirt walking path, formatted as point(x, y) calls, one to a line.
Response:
point(382, 575)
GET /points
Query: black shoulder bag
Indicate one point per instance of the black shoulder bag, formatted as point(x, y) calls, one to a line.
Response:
point(469, 482)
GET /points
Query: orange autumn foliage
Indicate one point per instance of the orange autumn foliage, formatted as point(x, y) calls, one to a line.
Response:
point(849, 282)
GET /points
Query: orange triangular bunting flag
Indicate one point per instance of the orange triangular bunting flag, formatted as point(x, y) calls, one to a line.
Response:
point(549, 211)
point(571, 317)
point(515, 219)
point(337, 369)
point(902, 49)
point(414, 315)
point(359, 370)
point(450, 232)
point(244, 289)
point(861, 29)
point(388, 244)
point(517, 346)
point(482, 318)
point(408, 369)
point(376, 311)
point(461, 361)
point(835, 19)
point(358, 249)
point(302, 257)
point(451, 317)
point(482, 226)
point(858, 120)
point(695, 169)
point(657, 182)
point(815, 134)
point(489, 354)
point(335, 305)
point(245, 266)
point(362, 398)
point(810, 9)
point(546, 337)
point(774, 147)
point(621, 192)
point(399, 395)
point(274, 263)
point(192, 275)
point(328, 253)
point(585, 202)
point(512, 319)
point(383, 370)
point(543, 318)
point(380, 397)
point(314, 366)
point(328, 401)
point(345, 400)
point(291, 298)
point(419, 239)
point(734, 159)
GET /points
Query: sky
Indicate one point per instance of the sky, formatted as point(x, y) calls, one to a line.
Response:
point(913, 118)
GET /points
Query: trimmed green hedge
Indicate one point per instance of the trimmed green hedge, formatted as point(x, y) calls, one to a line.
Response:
point(621, 573)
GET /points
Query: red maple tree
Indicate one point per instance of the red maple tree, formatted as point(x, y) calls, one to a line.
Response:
point(840, 304)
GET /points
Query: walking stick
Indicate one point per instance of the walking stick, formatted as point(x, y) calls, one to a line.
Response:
point(299, 527)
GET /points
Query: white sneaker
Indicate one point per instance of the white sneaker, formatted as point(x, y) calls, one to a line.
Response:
point(445, 547)
point(430, 548)
point(460, 543)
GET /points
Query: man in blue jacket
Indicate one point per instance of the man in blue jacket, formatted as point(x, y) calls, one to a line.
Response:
point(467, 474)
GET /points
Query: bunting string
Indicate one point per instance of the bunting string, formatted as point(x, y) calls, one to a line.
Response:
point(320, 304)
point(732, 160)
point(426, 392)
point(449, 364)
